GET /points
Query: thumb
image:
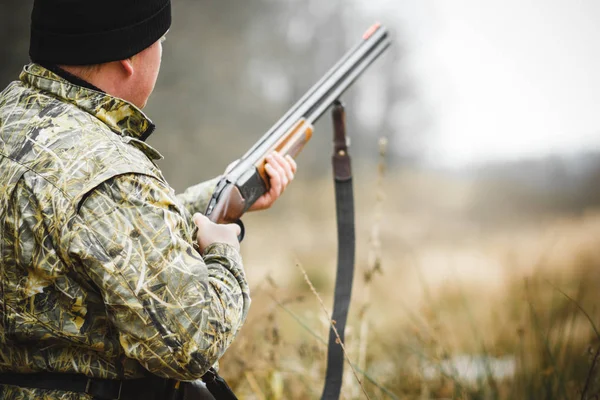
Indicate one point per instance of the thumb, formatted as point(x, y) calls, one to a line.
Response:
point(199, 219)
point(236, 228)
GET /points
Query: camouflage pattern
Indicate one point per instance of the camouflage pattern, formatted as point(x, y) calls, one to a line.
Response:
point(99, 273)
point(18, 393)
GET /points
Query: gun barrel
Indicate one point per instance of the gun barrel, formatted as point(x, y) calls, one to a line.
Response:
point(318, 98)
point(348, 78)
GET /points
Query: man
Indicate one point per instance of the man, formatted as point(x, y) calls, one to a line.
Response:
point(104, 292)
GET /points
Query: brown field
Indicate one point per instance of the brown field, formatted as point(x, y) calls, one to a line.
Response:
point(473, 295)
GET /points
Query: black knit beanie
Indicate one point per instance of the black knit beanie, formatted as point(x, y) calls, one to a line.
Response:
point(85, 32)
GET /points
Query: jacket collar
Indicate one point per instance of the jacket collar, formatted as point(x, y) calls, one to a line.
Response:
point(119, 115)
point(75, 80)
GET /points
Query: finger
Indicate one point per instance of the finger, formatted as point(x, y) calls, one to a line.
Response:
point(270, 160)
point(280, 165)
point(287, 167)
point(282, 161)
point(236, 228)
point(275, 181)
point(292, 163)
point(283, 165)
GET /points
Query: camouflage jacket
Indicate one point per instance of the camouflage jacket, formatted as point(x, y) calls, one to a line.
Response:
point(99, 275)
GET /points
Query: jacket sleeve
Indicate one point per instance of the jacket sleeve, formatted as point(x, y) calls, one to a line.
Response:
point(195, 198)
point(175, 311)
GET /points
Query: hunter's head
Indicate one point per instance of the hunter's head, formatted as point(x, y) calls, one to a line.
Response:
point(113, 44)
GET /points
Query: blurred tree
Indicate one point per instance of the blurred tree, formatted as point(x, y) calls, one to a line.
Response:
point(14, 38)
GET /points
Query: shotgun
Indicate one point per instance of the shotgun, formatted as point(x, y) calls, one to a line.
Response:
point(241, 186)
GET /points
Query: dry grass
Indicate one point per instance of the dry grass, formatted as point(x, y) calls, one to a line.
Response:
point(461, 309)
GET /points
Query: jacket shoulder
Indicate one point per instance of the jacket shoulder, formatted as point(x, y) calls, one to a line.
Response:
point(65, 146)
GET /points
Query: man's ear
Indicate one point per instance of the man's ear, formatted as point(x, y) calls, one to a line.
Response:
point(127, 66)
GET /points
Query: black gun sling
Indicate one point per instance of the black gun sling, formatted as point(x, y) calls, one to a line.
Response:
point(344, 201)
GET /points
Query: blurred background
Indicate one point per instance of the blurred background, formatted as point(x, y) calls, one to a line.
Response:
point(475, 145)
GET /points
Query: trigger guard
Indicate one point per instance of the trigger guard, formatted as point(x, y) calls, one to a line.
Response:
point(242, 230)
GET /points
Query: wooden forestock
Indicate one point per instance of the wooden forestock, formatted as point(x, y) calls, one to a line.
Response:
point(291, 144)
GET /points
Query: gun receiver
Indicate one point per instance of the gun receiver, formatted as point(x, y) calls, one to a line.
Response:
point(240, 187)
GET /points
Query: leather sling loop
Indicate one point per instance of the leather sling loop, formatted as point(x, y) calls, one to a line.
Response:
point(344, 201)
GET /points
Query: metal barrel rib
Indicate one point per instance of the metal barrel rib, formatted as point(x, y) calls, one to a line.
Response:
point(321, 95)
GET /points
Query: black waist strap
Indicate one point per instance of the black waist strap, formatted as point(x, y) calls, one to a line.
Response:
point(101, 389)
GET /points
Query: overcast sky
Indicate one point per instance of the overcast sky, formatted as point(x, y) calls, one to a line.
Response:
point(504, 78)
